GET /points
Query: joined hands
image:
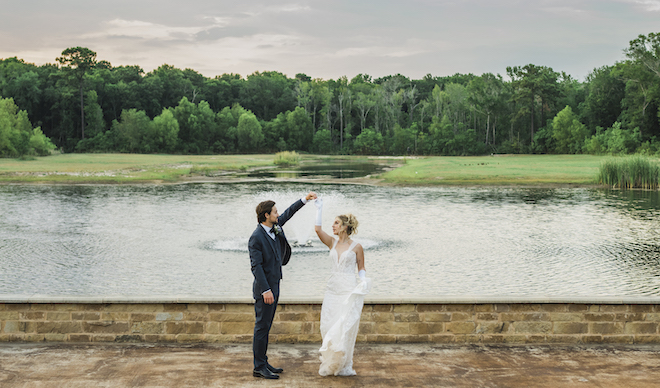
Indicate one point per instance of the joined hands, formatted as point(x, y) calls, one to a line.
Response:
point(311, 195)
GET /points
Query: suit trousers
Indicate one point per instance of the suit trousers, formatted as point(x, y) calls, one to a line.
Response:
point(264, 314)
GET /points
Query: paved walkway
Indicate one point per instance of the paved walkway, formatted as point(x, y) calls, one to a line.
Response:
point(414, 365)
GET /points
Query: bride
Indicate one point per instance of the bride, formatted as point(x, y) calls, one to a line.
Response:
point(344, 295)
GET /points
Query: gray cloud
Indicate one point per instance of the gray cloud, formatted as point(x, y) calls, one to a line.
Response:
point(217, 33)
point(330, 39)
point(646, 5)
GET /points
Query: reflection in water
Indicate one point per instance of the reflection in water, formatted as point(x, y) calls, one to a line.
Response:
point(192, 240)
point(336, 169)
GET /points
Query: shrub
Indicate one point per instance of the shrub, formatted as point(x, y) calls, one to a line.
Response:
point(322, 142)
point(17, 137)
point(286, 158)
point(369, 142)
point(614, 140)
point(568, 132)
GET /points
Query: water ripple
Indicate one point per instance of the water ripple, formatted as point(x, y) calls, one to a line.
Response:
point(192, 239)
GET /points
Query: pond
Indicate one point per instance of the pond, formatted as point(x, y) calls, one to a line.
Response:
point(191, 240)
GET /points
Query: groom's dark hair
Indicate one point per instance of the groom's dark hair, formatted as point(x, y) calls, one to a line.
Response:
point(263, 208)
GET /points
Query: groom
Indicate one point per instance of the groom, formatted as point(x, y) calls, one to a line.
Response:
point(269, 251)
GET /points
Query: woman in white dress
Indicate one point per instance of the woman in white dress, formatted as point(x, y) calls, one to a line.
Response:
point(344, 295)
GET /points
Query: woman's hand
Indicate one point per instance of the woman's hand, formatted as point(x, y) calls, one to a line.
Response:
point(318, 203)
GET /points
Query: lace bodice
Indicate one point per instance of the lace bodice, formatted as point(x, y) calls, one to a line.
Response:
point(347, 263)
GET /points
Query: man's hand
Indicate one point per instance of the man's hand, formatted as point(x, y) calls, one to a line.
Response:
point(311, 195)
point(269, 298)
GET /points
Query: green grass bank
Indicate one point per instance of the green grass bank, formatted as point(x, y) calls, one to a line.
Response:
point(123, 168)
point(501, 170)
point(498, 170)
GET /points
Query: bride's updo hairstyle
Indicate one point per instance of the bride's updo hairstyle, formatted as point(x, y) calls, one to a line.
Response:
point(350, 222)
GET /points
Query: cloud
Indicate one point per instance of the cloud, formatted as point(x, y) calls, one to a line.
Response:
point(146, 30)
point(568, 11)
point(379, 51)
point(218, 28)
point(290, 8)
point(217, 33)
point(330, 39)
point(402, 53)
point(220, 21)
point(647, 5)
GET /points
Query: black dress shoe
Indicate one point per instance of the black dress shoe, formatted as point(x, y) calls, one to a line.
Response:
point(264, 373)
point(273, 369)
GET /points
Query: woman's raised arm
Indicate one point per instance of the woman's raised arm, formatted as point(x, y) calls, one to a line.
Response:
point(323, 236)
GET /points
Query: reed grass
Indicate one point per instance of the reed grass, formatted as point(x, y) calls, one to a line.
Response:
point(287, 158)
point(630, 172)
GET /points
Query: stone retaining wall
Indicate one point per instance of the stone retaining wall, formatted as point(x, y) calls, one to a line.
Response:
point(484, 323)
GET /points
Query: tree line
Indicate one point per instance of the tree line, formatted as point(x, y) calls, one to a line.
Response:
point(82, 104)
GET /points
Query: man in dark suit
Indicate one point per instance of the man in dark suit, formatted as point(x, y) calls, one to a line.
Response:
point(269, 251)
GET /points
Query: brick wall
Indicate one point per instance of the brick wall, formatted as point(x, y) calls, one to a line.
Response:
point(299, 322)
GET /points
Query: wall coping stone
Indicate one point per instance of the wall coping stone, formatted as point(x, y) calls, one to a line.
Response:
point(441, 299)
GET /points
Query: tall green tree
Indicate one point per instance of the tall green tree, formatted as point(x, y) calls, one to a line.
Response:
point(457, 104)
point(130, 131)
point(644, 73)
point(320, 95)
point(17, 137)
point(163, 136)
point(369, 142)
point(249, 133)
point(170, 85)
point(267, 94)
point(485, 95)
point(300, 130)
point(94, 114)
point(197, 126)
point(344, 103)
point(79, 61)
point(364, 103)
point(646, 50)
point(640, 102)
point(533, 86)
point(604, 93)
point(568, 132)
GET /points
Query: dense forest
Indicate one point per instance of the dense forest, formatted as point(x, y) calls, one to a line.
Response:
point(82, 104)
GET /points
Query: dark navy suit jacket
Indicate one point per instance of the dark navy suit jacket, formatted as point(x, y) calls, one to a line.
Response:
point(267, 256)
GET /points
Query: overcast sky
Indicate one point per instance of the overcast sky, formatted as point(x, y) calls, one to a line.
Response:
point(330, 38)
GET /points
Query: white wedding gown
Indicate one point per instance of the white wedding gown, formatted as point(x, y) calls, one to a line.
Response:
point(340, 313)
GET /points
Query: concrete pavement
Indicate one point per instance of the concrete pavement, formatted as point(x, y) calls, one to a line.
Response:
point(410, 365)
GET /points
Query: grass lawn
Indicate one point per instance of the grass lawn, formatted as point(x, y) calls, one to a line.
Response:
point(437, 170)
point(121, 168)
point(498, 170)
